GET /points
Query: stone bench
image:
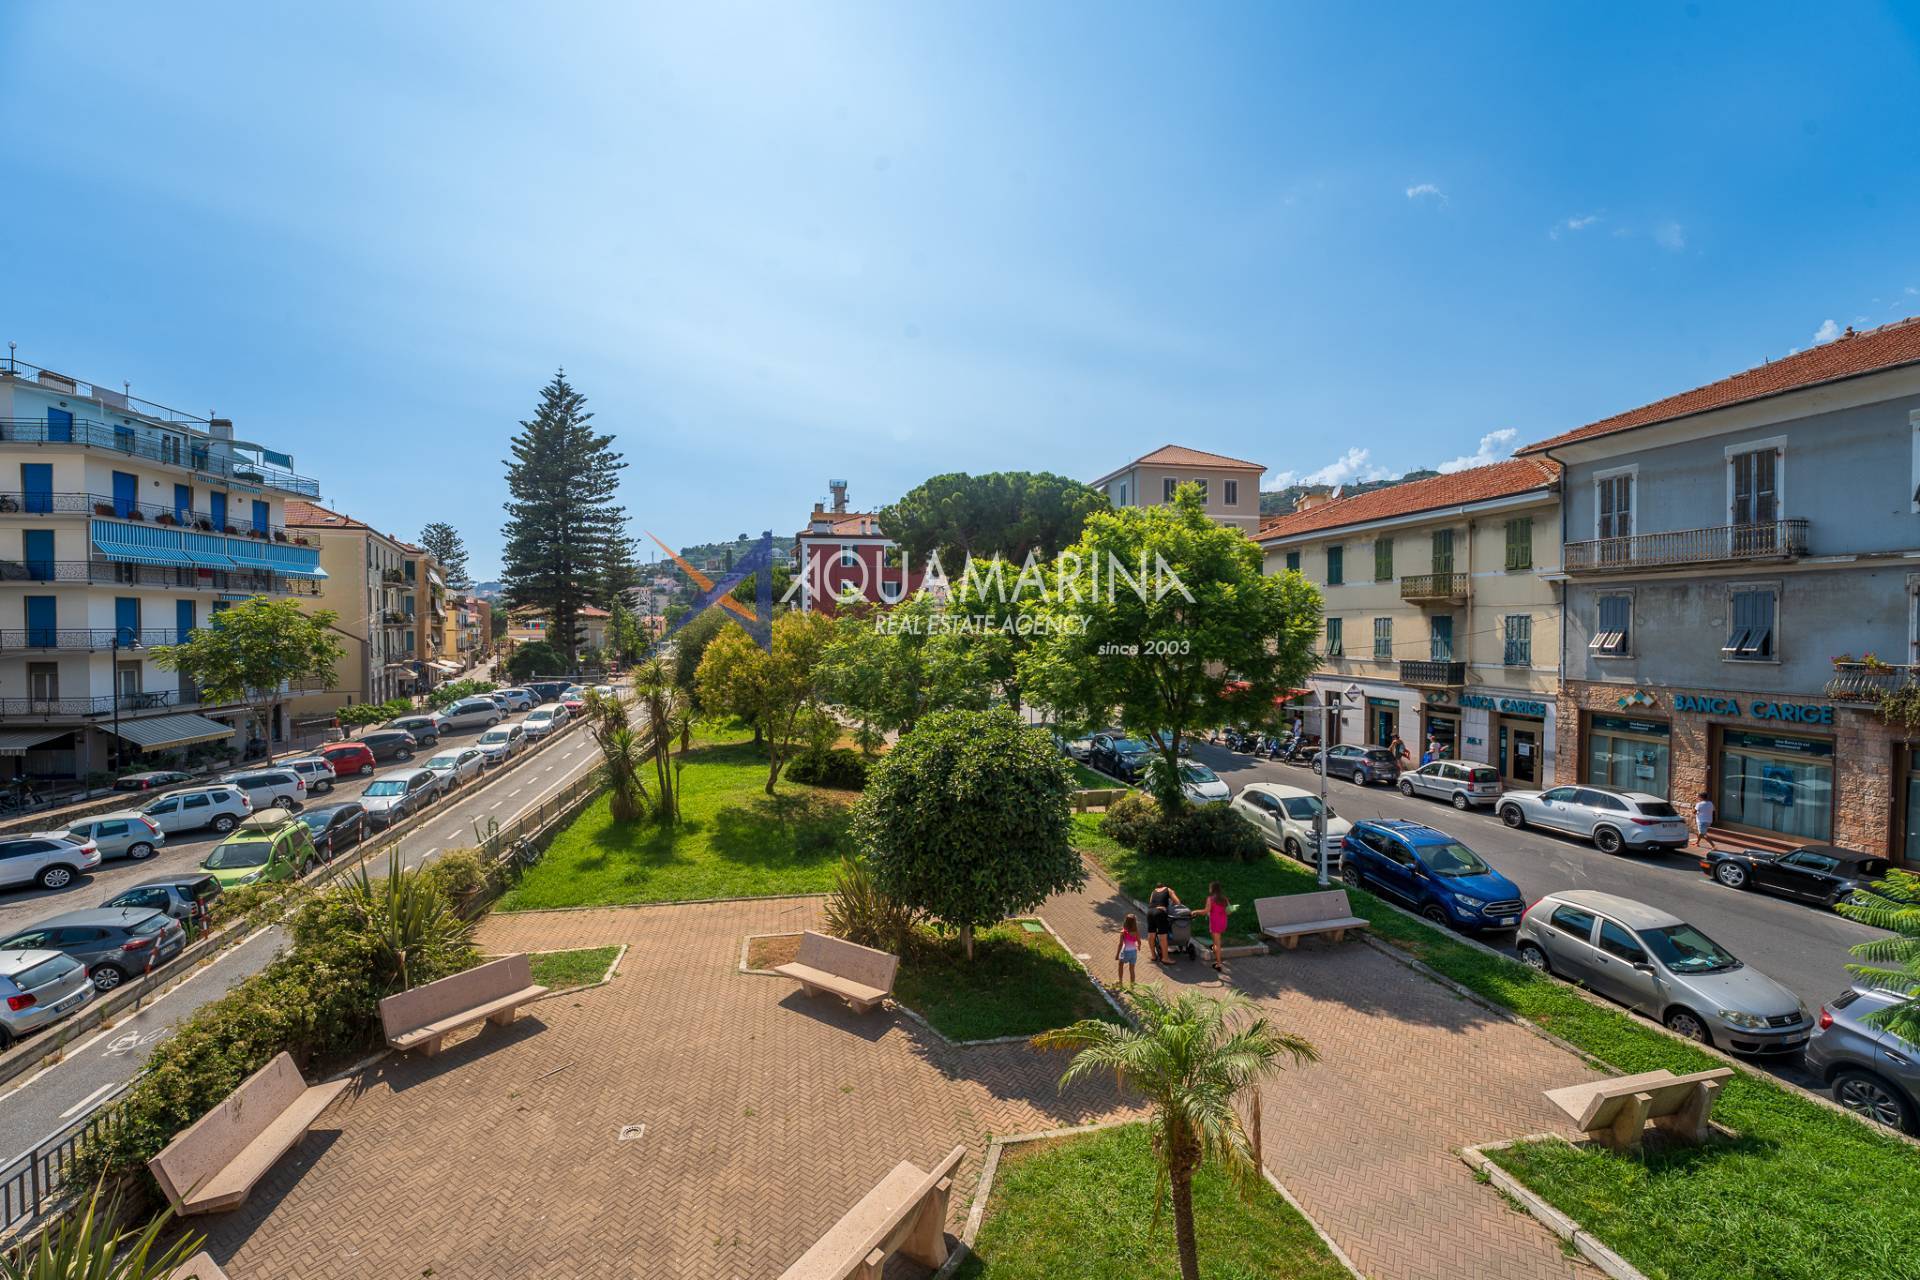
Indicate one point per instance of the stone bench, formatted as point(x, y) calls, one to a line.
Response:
point(422, 1017)
point(861, 976)
point(1097, 798)
point(906, 1213)
point(214, 1163)
point(1616, 1112)
point(1288, 919)
point(198, 1267)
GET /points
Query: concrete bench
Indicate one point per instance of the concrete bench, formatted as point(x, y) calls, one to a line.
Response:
point(1288, 919)
point(1097, 798)
point(906, 1213)
point(198, 1267)
point(214, 1163)
point(422, 1017)
point(1616, 1112)
point(861, 976)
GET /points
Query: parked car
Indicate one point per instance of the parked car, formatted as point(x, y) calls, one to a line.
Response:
point(348, 758)
point(114, 943)
point(604, 690)
point(398, 794)
point(517, 699)
point(574, 702)
point(1870, 1070)
point(1657, 964)
point(502, 743)
point(1157, 742)
point(269, 787)
point(547, 690)
point(152, 780)
point(1431, 872)
point(187, 896)
point(1461, 784)
point(267, 846)
point(389, 744)
point(1073, 748)
point(1613, 820)
point(458, 765)
point(1285, 817)
point(1361, 765)
point(335, 827)
point(51, 859)
point(1822, 873)
point(1202, 785)
point(472, 713)
point(127, 834)
point(37, 989)
point(1125, 758)
point(220, 806)
point(542, 721)
point(315, 771)
point(425, 728)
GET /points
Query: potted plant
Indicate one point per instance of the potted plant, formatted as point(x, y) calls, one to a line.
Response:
point(1872, 662)
point(1845, 662)
point(103, 508)
point(164, 518)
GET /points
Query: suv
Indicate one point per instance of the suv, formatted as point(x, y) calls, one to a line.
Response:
point(517, 699)
point(389, 744)
point(187, 897)
point(348, 757)
point(220, 807)
point(315, 771)
point(152, 780)
point(424, 728)
point(51, 858)
point(1611, 819)
point(547, 690)
point(397, 794)
point(124, 834)
point(1286, 816)
point(1431, 872)
point(37, 989)
point(1464, 785)
point(1870, 1070)
point(268, 846)
point(472, 713)
point(269, 787)
point(114, 943)
point(1361, 764)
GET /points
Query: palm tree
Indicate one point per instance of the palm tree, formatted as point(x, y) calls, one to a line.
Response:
point(414, 930)
point(1892, 963)
point(86, 1243)
point(1190, 1055)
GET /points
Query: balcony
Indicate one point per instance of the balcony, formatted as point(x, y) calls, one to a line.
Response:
point(103, 704)
point(1434, 588)
point(1433, 675)
point(110, 573)
point(195, 454)
point(1858, 682)
point(101, 504)
point(1717, 544)
point(83, 639)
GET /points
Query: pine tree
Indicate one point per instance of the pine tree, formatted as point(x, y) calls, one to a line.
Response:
point(620, 573)
point(444, 541)
point(561, 518)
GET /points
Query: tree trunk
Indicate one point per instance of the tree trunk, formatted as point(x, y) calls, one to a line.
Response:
point(966, 941)
point(773, 766)
point(1181, 1178)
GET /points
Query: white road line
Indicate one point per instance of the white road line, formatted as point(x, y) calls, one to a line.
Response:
point(87, 1101)
point(516, 791)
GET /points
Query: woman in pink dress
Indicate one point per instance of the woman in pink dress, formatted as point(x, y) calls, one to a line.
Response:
point(1216, 918)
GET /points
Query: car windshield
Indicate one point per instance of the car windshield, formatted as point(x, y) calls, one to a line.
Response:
point(1197, 773)
point(1131, 747)
point(1304, 808)
point(1684, 949)
point(239, 853)
point(495, 735)
point(386, 789)
point(316, 819)
point(443, 762)
point(1658, 809)
point(544, 713)
point(1452, 860)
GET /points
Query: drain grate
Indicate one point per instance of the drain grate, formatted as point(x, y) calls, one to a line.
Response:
point(632, 1131)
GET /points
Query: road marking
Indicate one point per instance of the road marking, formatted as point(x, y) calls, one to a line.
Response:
point(88, 1101)
point(516, 791)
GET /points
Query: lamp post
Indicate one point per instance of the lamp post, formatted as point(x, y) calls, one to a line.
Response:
point(113, 683)
point(1329, 707)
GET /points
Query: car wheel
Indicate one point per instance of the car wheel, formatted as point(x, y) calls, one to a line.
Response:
point(106, 977)
point(6, 1039)
point(1689, 1024)
point(1406, 788)
point(1512, 816)
point(1362, 778)
point(403, 755)
point(1607, 840)
point(1460, 801)
point(365, 769)
point(285, 802)
point(1319, 766)
point(1533, 957)
point(1351, 874)
point(1866, 1094)
point(56, 877)
point(1436, 914)
point(223, 824)
point(1293, 850)
point(140, 851)
point(1731, 874)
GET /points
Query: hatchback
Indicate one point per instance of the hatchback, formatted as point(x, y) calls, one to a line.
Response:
point(334, 827)
point(150, 781)
point(121, 835)
point(348, 758)
point(1870, 1070)
point(389, 744)
point(472, 713)
point(1360, 764)
point(220, 807)
point(315, 771)
point(51, 859)
point(1657, 964)
point(268, 846)
point(1123, 757)
point(517, 699)
point(398, 794)
point(187, 897)
point(114, 943)
point(1613, 820)
point(37, 989)
point(1286, 817)
point(502, 743)
point(458, 764)
point(424, 728)
point(1431, 872)
point(269, 787)
point(1462, 785)
point(542, 721)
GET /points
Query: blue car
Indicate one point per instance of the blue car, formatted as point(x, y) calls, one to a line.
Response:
point(1431, 872)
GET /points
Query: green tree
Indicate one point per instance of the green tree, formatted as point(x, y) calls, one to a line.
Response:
point(890, 668)
point(250, 650)
point(966, 819)
point(1205, 638)
point(1191, 1056)
point(747, 590)
point(562, 521)
point(624, 640)
point(408, 925)
point(690, 645)
point(533, 659)
point(665, 717)
point(1891, 963)
point(1005, 513)
point(620, 570)
point(447, 547)
point(623, 751)
point(772, 690)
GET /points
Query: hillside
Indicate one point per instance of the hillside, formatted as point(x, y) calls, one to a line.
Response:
point(1278, 502)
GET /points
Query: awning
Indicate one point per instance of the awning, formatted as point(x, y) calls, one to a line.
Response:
point(206, 559)
point(14, 742)
point(316, 573)
point(247, 558)
point(448, 667)
point(127, 553)
point(171, 731)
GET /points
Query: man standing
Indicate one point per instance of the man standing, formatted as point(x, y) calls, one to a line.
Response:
point(1702, 821)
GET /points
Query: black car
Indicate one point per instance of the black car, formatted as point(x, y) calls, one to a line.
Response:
point(1822, 873)
point(151, 781)
point(425, 729)
point(335, 827)
point(1123, 758)
point(546, 690)
point(114, 944)
point(1360, 764)
point(186, 897)
point(389, 744)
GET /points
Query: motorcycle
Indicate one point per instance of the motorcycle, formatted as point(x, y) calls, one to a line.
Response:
point(1303, 748)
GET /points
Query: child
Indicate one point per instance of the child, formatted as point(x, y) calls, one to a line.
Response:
point(1702, 819)
point(1216, 918)
point(1128, 951)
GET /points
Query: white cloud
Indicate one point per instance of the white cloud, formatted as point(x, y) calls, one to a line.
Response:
point(1426, 191)
point(1578, 222)
point(1355, 464)
point(1827, 332)
point(1495, 446)
point(1671, 236)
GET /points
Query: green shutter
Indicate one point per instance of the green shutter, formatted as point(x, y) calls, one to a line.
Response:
point(1520, 543)
point(1334, 646)
point(1383, 559)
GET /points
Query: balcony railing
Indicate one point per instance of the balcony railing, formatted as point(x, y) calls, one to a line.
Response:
point(194, 454)
point(28, 639)
point(1857, 682)
point(103, 704)
point(1718, 544)
point(1426, 674)
point(16, 502)
point(110, 573)
point(1434, 586)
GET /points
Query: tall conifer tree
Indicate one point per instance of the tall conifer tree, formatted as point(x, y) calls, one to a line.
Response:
point(444, 541)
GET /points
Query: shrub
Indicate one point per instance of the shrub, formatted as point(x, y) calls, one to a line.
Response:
point(1127, 819)
point(859, 912)
point(841, 767)
point(1212, 831)
point(454, 690)
point(459, 873)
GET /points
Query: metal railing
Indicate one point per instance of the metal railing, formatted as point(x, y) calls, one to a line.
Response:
point(84, 638)
point(46, 503)
point(1434, 586)
point(1440, 674)
point(194, 455)
point(102, 704)
point(1857, 682)
point(115, 573)
point(1723, 543)
point(34, 1183)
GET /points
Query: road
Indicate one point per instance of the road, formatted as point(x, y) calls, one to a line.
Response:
point(41, 1104)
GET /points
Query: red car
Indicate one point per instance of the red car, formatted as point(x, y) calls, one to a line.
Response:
point(574, 705)
point(348, 757)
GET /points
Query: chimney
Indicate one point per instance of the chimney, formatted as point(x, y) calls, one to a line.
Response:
point(220, 428)
point(839, 490)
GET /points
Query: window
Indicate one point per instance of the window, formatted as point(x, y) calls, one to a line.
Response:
point(1520, 542)
point(1442, 551)
point(1750, 639)
point(1776, 783)
point(1572, 920)
point(1230, 492)
point(1120, 498)
point(1383, 639)
point(1335, 647)
point(43, 681)
point(1336, 565)
point(1755, 481)
point(1617, 942)
point(848, 557)
point(1167, 487)
point(1613, 627)
point(890, 590)
point(1203, 490)
point(1440, 638)
point(1383, 559)
point(1293, 562)
point(1613, 505)
point(1519, 640)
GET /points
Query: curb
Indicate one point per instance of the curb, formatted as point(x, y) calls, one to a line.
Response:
point(1551, 1218)
point(666, 902)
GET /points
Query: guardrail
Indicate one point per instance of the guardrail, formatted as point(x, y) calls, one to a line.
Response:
point(208, 457)
point(1434, 673)
point(30, 638)
point(1434, 586)
point(1857, 682)
point(36, 1181)
point(41, 502)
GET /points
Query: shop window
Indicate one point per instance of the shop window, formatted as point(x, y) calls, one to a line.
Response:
point(1613, 627)
point(1520, 543)
point(1335, 646)
point(1628, 755)
point(1383, 639)
point(1519, 640)
point(1336, 565)
point(1751, 637)
point(1776, 784)
point(1383, 559)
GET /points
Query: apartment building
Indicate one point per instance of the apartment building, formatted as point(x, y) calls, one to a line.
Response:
point(843, 557)
point(528, 624)
point(1733, 555)
point(1231, 487)
point(125, 525)
point(1441, 610)
point(366, 586)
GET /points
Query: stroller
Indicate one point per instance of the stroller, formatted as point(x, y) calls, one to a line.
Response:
point(1180, 931)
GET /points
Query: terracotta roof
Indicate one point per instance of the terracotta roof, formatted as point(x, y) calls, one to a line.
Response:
point(1175, 455)
point(1476, 484)
point(861, 524)
point(311, 515)
point(1847, 356)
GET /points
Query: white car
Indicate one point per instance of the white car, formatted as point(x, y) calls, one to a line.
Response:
point(517, 699)
point(267, 787)
point(542, 721)
point(458, 764)
point(220, 807)
point(1202, 785)
point(1613, 820)
point(604, 690)
point(315, 771)
point(1285, 817)
point(499, 744)
point(51, 859)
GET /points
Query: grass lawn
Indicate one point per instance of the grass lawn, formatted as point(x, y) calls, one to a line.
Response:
point(1084, 1207)
point(1092, 780)
point(557, 969)
point(1804, 1192)
point(733, 840)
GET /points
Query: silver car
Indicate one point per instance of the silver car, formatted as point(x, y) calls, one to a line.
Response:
point(471, 713)
point(127, 834)
point(39, 987)
point(1870, 1070)
point(398, 794)
point(220, 807)
point(1657, 964)
point(501, 744)
point(1461, 784)
point(458, 764)
point(517, 699)
point(1613, 820)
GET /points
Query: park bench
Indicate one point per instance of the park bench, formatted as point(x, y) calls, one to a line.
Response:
point(198, 1267)
point(422, 1017)
point(906, 1213)
point(1288, 919)
point(1097, 798)
point(861, 976)
point(214, 1163)
point(1616, 1112)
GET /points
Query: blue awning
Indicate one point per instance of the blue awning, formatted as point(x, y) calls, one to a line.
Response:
point(316, 573)
point(206, 559)
point(128, 554)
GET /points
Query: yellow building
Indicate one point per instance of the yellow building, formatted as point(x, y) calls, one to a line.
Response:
point(367, 586)
point(1232, 487)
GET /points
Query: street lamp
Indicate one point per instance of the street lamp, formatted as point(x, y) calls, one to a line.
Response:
point(1328, 708)
point(113, 683)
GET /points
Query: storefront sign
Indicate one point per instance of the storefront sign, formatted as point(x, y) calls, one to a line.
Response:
point(1621, 724)
point(1509, 706)
point(1782, 746)
point(1759, 709)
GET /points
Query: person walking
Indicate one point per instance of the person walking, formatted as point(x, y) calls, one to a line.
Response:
point(1127, 952)
point(1399, 749)
point(1217, 907)
point(1702, 821)
point(1160, 905)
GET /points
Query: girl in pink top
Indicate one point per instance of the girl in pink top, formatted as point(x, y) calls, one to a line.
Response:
point(1128, 951)
point(1216, 918)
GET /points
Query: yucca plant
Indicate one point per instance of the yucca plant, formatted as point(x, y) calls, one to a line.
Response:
point(410, 924)
point(85, 1245)
point(857, 911)
point(1191, 1055)
point(1892, 963)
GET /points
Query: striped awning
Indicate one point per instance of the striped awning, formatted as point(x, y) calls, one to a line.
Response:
point(207, 559)
point(16, 742)
point(128, 553)
point(179, 730)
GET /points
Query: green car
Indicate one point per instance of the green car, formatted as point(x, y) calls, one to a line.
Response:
point(265, 846)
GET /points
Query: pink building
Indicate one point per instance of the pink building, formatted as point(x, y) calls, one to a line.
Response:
point(842, 556)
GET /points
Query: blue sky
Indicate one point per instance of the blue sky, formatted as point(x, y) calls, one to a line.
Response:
point(780, 243)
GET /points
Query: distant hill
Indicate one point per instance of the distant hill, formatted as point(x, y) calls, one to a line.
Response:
point(1279, 502)
point(488, 590)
